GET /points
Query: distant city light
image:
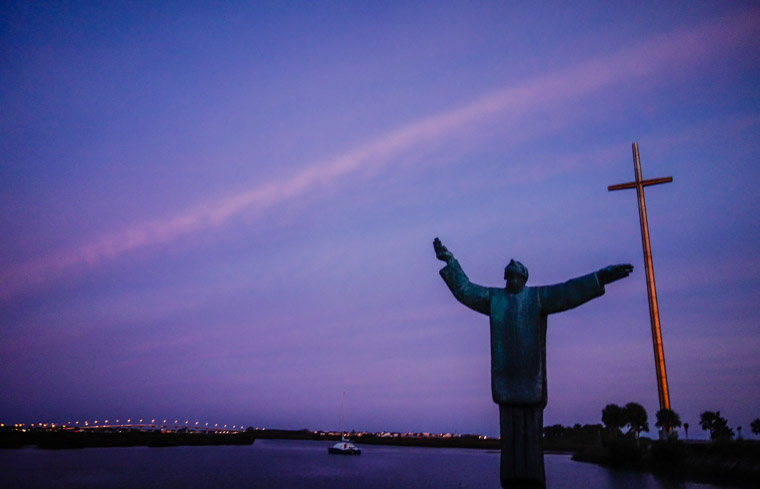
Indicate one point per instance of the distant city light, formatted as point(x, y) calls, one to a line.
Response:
point(143, 425)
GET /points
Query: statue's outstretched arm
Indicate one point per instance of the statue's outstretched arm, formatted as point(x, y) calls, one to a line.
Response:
point(441, 252)
point(474, 296)
point(613, 272)
point(574, 292)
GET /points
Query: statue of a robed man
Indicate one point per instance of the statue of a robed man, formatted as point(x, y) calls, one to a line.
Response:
point(518, 352)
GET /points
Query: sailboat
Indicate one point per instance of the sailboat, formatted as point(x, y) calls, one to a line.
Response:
point(344, 446)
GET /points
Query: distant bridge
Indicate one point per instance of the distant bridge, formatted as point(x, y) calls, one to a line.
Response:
point(142, 425)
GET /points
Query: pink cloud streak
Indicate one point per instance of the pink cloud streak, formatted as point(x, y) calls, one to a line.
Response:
point(682, 49)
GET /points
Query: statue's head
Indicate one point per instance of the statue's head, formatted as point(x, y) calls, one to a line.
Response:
point(516, 275)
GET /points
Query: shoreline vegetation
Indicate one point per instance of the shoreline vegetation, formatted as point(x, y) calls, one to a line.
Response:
point(733, 463)
point(720, 462)
point(723, 461)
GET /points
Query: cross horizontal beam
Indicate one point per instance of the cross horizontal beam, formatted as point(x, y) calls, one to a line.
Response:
point(643, 183)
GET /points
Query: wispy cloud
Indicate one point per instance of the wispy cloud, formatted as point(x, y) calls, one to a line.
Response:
point(683, 49)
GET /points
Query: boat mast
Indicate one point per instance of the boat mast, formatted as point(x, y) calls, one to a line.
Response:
point(342, 415)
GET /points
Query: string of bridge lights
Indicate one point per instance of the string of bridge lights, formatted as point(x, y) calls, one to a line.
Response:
point(141, 423)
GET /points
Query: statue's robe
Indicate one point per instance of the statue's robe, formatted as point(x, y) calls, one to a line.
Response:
point(518, 358)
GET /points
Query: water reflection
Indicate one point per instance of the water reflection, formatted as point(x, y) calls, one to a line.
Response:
point(562, 472)
point(287, 464)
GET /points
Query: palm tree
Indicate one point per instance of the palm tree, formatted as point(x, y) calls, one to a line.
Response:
point(614, 418)
point(707, 420)
point(667, 420)
point(755, 426)
point(636, 417)
point(716, 425)
point(686, 429)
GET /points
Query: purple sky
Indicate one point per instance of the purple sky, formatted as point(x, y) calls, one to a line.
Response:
point(226, 213)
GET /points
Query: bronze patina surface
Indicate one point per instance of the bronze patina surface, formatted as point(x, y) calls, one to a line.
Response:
point(518, 317)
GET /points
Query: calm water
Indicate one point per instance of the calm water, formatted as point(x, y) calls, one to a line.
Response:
point(286, 464)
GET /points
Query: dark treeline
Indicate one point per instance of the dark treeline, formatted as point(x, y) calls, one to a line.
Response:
point(726, 459)
point(417, 440)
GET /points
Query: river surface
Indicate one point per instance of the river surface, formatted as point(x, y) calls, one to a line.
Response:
point(291, 464)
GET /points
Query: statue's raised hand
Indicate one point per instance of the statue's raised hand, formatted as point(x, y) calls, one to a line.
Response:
point(441, 252)
point(614, 272)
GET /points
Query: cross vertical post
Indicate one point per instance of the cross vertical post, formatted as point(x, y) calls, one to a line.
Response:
point(654, 310)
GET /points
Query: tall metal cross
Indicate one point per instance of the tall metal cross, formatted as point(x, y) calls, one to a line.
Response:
point(654, 310)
